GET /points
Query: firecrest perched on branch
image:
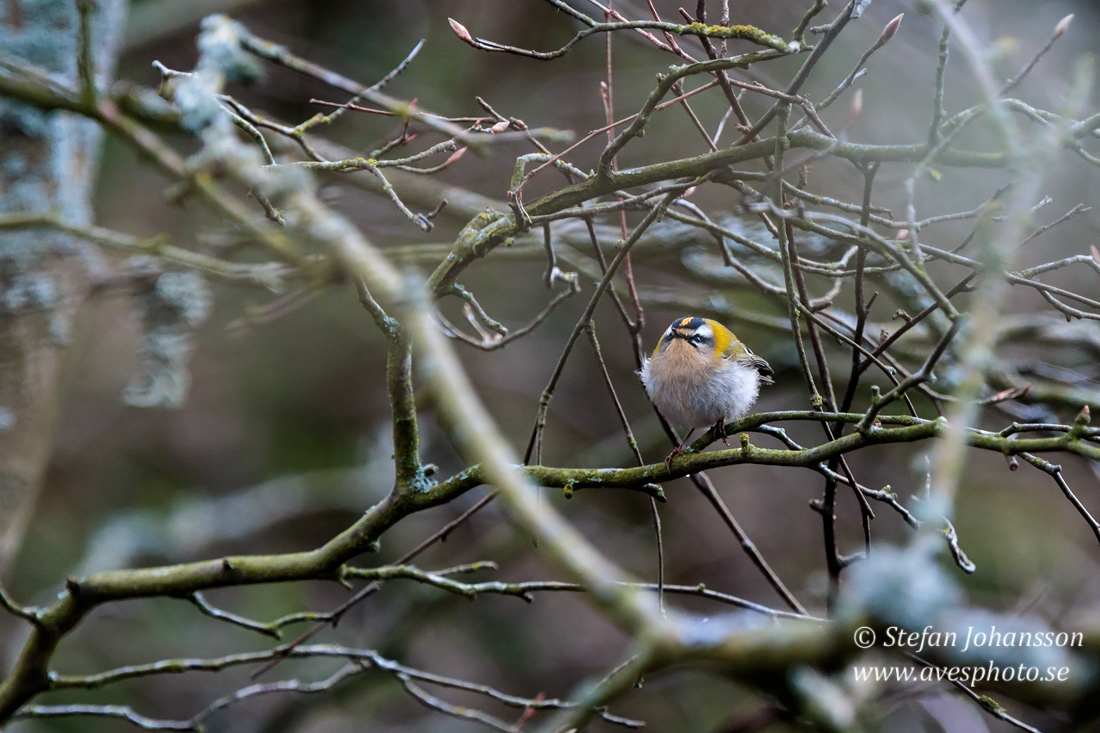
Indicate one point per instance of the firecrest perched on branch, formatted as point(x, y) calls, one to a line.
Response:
point(701, 375)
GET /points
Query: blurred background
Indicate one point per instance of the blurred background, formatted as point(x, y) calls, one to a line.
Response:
point(284, 438)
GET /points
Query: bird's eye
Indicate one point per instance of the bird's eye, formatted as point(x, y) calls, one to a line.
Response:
point(697, 339)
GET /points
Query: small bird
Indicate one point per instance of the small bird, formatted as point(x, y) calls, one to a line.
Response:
point(700, 375)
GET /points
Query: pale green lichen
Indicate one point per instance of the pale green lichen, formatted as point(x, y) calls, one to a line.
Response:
point(421, 482)
point(172, 309)
point(742, 32)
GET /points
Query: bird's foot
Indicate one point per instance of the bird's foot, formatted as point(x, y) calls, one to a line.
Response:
point(678, 450)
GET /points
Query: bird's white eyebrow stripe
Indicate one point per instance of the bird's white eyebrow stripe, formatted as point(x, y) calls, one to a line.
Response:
point(705, 331)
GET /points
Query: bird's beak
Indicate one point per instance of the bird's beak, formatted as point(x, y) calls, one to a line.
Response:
point(671, 338)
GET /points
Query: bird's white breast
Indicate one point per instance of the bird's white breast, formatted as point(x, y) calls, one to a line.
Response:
point(696, 399)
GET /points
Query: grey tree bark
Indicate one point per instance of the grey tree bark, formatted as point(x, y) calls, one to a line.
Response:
point(48, 162)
